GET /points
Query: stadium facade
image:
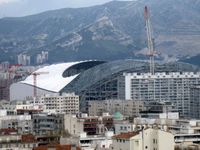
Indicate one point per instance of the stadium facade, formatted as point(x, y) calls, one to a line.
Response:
point(98, 80)
point(56, 78)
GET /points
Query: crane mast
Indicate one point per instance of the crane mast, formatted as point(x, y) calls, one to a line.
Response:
point(35, 74)
point(150, 40)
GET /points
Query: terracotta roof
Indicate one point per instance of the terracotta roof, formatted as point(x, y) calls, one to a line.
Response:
point(56, 147)
point(125, 135)
point(28, 138)
point(29, 110)
point(7, 131)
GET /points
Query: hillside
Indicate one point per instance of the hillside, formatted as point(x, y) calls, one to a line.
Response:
point(115, 30)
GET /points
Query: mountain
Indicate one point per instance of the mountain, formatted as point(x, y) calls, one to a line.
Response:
point(115, 30)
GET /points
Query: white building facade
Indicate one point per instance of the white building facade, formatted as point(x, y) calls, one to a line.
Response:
point(67, 103)
point(151, 139)
point(173, 87)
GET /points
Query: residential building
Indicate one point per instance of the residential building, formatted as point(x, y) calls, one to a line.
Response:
point(4, 89)
point(21, 108)
point(44, 124)
point(24, 59)
point(124, 127)
point(162, 86)
point(42, 57)
point(195, 102)
point(95, 142)
point(176, 126)
point(67, 103)
point(22, 123)
point(16, 142)
point(4, 66)
point(125, 107)
point(92, 125)
point(73, 125)
point(152, 139)
point(159, 110)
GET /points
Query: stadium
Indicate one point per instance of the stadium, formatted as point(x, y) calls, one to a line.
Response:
point(92, 80)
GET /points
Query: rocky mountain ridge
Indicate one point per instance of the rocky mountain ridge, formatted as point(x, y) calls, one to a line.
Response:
point(115, 30)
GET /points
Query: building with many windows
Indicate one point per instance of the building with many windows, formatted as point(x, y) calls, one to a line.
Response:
point(172, 87)
point(67, 103)
point(22, 123)
point(129, 108)
point(47, 124)
point(195, 102)
point(92, 125)
point(152, 139)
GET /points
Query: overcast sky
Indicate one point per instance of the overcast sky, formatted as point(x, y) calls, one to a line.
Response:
point(9, 8)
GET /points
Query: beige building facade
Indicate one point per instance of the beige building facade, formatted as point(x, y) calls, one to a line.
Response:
point(73, 125)
point(148, 139)
point(67, 103)
point(125, 107)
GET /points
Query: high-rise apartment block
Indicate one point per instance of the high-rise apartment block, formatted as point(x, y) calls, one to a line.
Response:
point(4, 66)
point(23, 59)
point(195, 102)
point(42, 57)
point(172, 87)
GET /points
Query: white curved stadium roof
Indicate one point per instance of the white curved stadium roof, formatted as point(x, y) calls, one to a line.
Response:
point(53, 81)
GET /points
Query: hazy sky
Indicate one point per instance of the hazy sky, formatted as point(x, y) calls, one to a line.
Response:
point(26, 7)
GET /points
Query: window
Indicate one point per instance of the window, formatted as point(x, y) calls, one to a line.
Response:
point(137, 143)
point(154, 141)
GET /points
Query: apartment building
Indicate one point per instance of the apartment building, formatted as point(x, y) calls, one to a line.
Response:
point(17, 142)
point(47, 124)
point(67, 103)
point(92, 125)
point(22, 123)
point(195, 102)
point(126, 107)
point(162, 86)
point(152, 139)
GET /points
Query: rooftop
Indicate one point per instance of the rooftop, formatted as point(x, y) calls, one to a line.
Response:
point(125, 135)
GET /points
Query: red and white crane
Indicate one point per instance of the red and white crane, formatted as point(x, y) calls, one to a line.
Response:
point(150, 40)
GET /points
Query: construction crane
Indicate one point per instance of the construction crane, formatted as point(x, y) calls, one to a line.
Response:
point(150, 40)
point(35, 74)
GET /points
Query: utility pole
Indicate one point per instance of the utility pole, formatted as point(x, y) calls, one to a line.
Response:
point(150, 40)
